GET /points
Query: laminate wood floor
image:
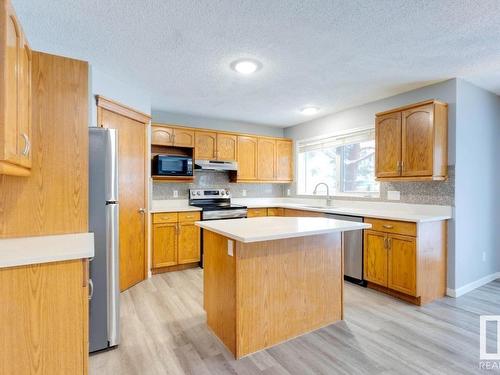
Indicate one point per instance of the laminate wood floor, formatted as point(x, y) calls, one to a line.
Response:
point(164, 332)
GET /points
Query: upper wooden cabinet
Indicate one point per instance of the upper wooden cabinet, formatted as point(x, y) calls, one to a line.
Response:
point(284, 160)
point(412, 142)
point(171, 136)
point(247, 158)
point(215, 146)
point(266, 159)
point(15, 95)
point(205, 145)
point(227, 146)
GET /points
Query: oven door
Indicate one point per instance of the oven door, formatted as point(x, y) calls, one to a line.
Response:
point(174, 165)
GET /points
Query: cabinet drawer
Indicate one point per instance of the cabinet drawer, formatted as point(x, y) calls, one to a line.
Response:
point(257, 212)
point(392, 226)
point(189, 216)
point(166, 217)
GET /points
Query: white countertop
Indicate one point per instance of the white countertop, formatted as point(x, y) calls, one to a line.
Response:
point(44, 249)
point(174, 205)
point(274, 228)
point(417, 213)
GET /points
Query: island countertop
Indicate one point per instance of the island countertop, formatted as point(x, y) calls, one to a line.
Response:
point(274, 228)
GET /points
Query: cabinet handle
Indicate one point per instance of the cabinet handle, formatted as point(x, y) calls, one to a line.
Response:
point(142, 210)
point(387, 226)
point(27, 144)
point(389, 243)
point(91, 289)
point(385, 242)
point(177, 229)
point(402, 166)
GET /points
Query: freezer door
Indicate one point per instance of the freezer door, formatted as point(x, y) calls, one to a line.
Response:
point(111, 165)
point(112, 253)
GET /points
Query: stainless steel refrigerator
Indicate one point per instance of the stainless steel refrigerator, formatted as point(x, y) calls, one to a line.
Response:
point(104, 297)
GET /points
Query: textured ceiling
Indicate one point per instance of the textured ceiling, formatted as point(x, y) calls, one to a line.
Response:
point(332, 54)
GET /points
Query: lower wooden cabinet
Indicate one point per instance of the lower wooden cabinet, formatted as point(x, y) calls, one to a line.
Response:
point(257, 212)
point(275, 211)
point(44, 318)
point(176, 240)
point(302, 213)
point(412, 267)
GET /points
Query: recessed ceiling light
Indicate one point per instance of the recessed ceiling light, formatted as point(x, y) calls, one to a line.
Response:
point(246, 66)
point(309, 111)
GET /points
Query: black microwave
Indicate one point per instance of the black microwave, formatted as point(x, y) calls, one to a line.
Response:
point(172, 165)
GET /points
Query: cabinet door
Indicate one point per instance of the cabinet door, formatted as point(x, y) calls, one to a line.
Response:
point(189, 243)
point(247, 158)
point(402, 264)
point(388, 145)
point(257, 212)
point(205, 145)
point(24, 105)
point(375, 257)
point(183, 137)
point(226, 147)
point(284, 160)
point(11, 93)
point(418, 141)
point(266, 159)
point(164, 245)
point(275, 211)
point(162, 136)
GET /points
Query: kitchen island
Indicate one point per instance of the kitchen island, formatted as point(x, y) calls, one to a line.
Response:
point(269, 279)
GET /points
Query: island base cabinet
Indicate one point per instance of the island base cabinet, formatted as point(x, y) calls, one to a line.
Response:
point(44, 318)
point(264, 293)
point(409, 267)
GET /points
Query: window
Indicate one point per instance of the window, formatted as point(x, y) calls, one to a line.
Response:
point(345, 162)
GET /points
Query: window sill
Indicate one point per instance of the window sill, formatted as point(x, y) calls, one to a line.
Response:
point(343, 195)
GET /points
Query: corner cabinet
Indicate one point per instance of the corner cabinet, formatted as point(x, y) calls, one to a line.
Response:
point(406, 260)
point(412, 143)
point(176, 240)
point(162, 135)
point(15, 95)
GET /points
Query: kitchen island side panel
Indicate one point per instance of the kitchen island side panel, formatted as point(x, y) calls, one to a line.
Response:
point(285, 288)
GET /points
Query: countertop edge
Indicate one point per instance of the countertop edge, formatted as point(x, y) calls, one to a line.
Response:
point(25, 251)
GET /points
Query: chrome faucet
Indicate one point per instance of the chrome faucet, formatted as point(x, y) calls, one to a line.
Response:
point(329, 199)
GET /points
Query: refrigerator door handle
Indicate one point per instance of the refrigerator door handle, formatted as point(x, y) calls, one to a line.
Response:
point(112, 254)
point(111, 165)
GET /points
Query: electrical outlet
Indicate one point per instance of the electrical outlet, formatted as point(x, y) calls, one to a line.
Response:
point(176, 194)
point(244, 193)
point(484, 256)
point(288, 192)
point(393, 195)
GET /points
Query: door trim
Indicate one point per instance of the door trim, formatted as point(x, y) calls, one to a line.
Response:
point(123, 110)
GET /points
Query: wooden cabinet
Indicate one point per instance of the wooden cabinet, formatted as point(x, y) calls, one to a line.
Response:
point(257, 212)
point(301, 213)
point(183, 137)
point(407, 260)
point(375, 257)
point(162, 136)
point(275, 211)
point(284, 160)
point(215, 146)
point(266, 159)
point(164, 245)
point(227, 146)
point(176, 240)
point(412, 142)
point(44, 315)
point(168, 136)
point(247, 158)
point(15, 95)
point(205, 145)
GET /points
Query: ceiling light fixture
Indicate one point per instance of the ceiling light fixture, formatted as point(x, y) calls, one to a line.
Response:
point(246, 66)
point(309, 110)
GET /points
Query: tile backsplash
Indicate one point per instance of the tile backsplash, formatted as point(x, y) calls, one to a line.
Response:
point(213, 179)
point(438, 192)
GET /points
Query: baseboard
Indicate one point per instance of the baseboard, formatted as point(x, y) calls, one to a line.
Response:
point(471, 286)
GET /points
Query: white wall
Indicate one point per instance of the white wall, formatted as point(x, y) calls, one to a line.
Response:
point(477, 184)
point(111, 88)
point(216, 124)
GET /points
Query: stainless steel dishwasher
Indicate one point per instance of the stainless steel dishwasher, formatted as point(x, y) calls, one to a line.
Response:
point(353, 251)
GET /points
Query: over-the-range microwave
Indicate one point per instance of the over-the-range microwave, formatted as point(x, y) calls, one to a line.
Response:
point(172, 165)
